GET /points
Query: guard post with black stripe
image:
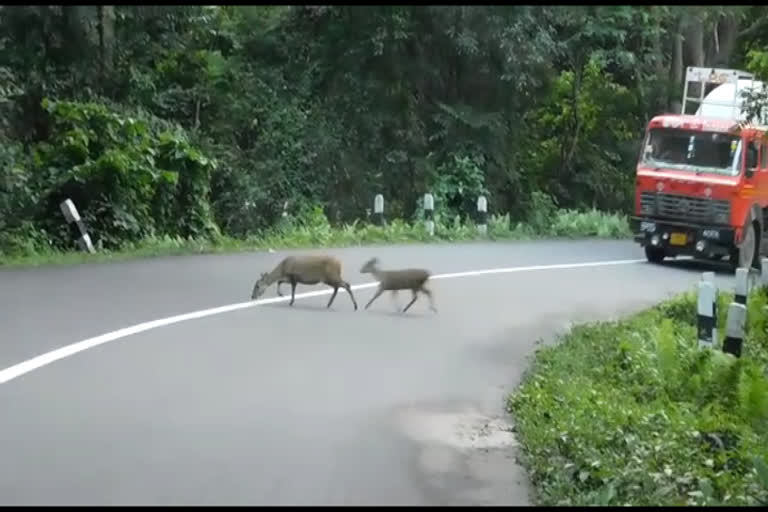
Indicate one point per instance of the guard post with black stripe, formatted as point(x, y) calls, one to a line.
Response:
point(734, 331)
point(707, 319)
point(378, 210)
point(737, 315)
point(764, 274)
point(742, 286)
point(482, 215)
point(77, 226)
point(429, 213)
point(710, 277)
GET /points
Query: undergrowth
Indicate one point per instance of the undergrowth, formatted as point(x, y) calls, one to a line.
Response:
point(633, 413)
point(27, 246)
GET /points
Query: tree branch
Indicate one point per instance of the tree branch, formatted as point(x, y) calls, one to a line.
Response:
point(197, 115)
point(755, 27)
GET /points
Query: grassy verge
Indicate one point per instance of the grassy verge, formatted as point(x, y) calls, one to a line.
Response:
point(317, 232)
point(632, 413)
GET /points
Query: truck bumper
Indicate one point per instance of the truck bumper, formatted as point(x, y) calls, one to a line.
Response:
point(683, 238)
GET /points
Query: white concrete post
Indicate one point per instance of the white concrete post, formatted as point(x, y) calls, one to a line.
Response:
point(706, 315)
point(710, 278)
point(482, 215)
point(378, 210)
point(734, 331)
point(742, 286)
point(764, 273)
point(429, 213)
point(77, 226)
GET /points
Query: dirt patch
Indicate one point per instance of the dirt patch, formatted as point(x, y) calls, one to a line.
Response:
point(464, 457)
point(464, 430)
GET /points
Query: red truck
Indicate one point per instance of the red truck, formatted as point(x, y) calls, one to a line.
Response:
point(701, 185)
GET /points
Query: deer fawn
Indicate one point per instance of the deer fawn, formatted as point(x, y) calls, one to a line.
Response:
point(393, 280)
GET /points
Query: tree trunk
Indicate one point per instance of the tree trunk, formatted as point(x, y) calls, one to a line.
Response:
point(694, 51)
point(83, 21)
point(694, 42)
point(677, 67)
point(106, 35)
point(661, 103)
point(727, 31)
point(567, 155)
point(81, 39)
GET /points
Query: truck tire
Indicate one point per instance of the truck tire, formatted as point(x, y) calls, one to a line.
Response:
point(744, 255)
point(654, 254)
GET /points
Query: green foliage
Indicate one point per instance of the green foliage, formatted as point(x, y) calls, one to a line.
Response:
point(542, 211)
point(756, 100)
point(129, 177)
point(633, 413)
point(308, 228)
point(17, 198)
point(456, 185)
point(22, 241)
point(330, 105)
point(588, 121)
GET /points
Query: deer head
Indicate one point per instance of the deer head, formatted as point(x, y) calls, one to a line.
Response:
point(370, 266)
point(259, 288)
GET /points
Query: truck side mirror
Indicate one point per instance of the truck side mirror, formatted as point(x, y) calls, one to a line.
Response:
point(751, 160)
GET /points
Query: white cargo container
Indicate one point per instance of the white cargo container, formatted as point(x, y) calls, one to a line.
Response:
point(724, 101)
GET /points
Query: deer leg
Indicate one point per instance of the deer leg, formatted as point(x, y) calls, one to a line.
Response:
point(346, 286)
point(335, 291)
point(415, 296)
point(293, 290)
point(279, 282)
point(431, 300)
point(375, 296)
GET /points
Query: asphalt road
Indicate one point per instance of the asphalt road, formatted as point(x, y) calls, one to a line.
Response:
point(301, 405)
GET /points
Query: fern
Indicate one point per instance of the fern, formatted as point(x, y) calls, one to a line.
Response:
point(757, 327)
point(761, 467)
point(753, 395)
point(667, 353)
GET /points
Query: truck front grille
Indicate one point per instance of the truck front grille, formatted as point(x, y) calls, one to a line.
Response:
point(676, 206)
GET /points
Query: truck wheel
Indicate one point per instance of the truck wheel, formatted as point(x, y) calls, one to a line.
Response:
point(744, 255)
point(654, 254)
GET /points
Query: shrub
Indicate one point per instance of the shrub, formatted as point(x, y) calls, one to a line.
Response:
point(307, 227)
point(633, 413)
point(129, 177)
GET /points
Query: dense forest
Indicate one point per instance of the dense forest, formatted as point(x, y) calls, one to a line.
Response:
point(194, 121)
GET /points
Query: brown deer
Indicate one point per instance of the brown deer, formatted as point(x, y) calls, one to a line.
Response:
point(304, 270)
point(413, 279)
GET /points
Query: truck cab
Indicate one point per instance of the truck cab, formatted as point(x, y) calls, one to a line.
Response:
point(701, 186)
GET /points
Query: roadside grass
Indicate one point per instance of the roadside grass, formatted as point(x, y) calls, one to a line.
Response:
point(633, 413)
point(316, 231)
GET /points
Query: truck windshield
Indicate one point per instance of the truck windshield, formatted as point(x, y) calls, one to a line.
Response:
point(694, 151)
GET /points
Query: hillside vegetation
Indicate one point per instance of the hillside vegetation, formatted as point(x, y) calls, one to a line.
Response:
point(211, 123)
point(633, 413)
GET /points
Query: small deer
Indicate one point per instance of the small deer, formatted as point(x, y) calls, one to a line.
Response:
point(304, 270)
point(413, 279)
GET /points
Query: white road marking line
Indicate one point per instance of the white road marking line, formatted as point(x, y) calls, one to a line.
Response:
point(29, 365)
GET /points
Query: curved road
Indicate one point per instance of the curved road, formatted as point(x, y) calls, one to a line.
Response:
point(279, 405)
